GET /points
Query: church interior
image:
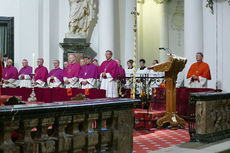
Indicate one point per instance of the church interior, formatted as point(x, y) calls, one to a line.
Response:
point(114, 76)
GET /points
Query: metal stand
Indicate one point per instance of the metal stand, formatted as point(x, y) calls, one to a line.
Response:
point(32, 97)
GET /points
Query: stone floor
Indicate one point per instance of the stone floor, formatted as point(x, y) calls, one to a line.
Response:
point(189, 147)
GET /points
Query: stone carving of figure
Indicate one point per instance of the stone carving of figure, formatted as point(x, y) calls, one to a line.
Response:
point(82, 12)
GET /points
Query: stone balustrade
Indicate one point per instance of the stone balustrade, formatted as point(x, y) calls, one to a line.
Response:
point(92, 126)
point(211, 120)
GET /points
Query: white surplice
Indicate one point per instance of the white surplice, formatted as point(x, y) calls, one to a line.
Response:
point(26, 82)
point(41, 84)
point(195, 84)
point(92, 83)
point(56, 82)
point(12, 83)
point(73, 82)
point(110, 85)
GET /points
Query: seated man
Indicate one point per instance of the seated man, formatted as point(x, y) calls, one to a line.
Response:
point(88, 75)
point(71, 73)
point(25, 75)
point(199, 73)
point(10, 75)
point(108, 72)
point(41, 73)
point(55, 77)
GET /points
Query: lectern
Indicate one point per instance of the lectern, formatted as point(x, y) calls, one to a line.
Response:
point(171, 69)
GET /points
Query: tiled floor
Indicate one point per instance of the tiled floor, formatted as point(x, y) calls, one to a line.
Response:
point(156, 139)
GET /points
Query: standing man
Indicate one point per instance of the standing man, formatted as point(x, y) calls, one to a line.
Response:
point(65, 64)
point(108, 72)
point(71, 73)
point(89, 74)
point(4, 62)
point(25, 75)
point(10, 75)
point(41, 73)
point(55, 77)
point(121, 72)
point(199, 73)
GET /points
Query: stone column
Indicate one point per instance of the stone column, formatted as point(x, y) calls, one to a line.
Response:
point(164, 34)
point(129, 33)
point(106, 27)
point(193, 31)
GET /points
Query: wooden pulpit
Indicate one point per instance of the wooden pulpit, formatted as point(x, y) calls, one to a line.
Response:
point(171, 69)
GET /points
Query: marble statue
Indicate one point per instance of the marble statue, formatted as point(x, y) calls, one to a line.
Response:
point(82, 13)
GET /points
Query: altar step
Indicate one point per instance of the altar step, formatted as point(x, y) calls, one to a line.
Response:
point(145, 118)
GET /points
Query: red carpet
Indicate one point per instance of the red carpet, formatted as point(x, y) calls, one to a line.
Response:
point(156, 139)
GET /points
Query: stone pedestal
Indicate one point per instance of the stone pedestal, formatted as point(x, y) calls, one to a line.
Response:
point(76, 45)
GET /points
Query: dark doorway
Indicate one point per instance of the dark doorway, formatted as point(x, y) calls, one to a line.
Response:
point(7, 36)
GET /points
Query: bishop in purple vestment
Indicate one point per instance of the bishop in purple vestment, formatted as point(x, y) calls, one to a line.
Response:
point(121, 72)
point(25, 75)
point(41, 73)
point(108, 72)
point(55, 77)
point(89, 74)
point(10, 75)
point(71, 79)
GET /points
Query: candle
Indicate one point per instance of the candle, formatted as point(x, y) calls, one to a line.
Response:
point(33, 63)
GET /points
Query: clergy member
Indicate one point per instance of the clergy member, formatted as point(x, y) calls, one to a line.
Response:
point(55, 77)
point(41, 73)
point(199, 73)
point(89, 74)
point(10, 75)
point(121, 72)
point(108, 72)
point(98, 84)
point(129, 73)
point(65, 64)
point(71, 73)
point(25, 75)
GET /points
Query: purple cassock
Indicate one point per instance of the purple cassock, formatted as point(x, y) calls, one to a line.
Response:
point(41, 73)
point(72, 70)
point(10, 73)
point(111, 67)
point(58, 73)
point(28, 70)
point(89, 71)
point(122, 74)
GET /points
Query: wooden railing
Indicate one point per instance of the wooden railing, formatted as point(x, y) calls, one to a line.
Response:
point(91, 126)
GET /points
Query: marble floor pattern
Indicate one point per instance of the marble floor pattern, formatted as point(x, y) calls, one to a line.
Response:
point(156, 139)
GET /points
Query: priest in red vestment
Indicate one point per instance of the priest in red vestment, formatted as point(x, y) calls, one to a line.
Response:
point(108, 72)
point(10, 75)
point(41, 73)
point(199, 73)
